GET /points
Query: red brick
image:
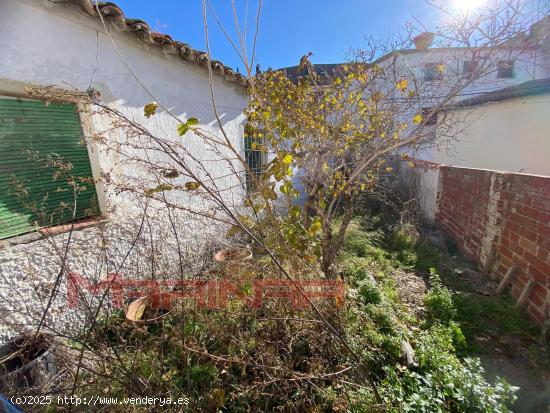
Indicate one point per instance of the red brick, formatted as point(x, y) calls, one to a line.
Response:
point(512, 226)
point(541, 290)
point(529, 212)
point(544, 218)
point(505, 252)
point(501, 270)
point(535, 313)
point(543, 230)
point(517, 250)
point(543, 254)
point(535, 274)
point(544, 242)
point(537, 300)
point(537, 263)
point(529, 247)
point(530, 235)
point(522, 221)
point(505, 242)
point(514, 237)
point(506, 262)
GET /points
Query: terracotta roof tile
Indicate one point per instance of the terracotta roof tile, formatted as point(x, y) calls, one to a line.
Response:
point(114, 15)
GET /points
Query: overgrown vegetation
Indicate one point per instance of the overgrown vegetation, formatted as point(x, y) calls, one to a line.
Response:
point(482, 316)
point(371, 354)
point(279, 359)
point(440, 380)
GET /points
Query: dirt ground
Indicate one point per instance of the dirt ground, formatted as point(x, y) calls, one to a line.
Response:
point(515, 354)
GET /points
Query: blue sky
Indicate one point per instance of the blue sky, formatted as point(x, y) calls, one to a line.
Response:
point(288, 29)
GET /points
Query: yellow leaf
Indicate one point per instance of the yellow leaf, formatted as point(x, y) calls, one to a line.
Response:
point(417, 119)
point(150, 109)
point(440, 68)
point(191, 186)
point(287, 159)
point(169, 375)
point(218, 395)
point(182, 129)
point(135, 310)
point(402, 84)
point(158, 188)
point(315, 227)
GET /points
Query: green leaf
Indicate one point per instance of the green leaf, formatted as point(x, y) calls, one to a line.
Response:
point(150, 109)
point(159, 188)
point(192, 122)
point(192, 186)
point(234, 230)
point(182, 129)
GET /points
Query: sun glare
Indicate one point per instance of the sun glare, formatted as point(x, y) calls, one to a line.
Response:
point(468, 4)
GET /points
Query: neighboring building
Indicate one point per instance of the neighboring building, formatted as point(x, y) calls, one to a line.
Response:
point(64, 44)
point(503, 130)
point(430, 72)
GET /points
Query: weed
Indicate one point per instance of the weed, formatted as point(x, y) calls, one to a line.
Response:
point(494, 315)
point(369, 292)
point(438, 302)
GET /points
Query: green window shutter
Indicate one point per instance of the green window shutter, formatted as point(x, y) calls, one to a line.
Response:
point(44, 166)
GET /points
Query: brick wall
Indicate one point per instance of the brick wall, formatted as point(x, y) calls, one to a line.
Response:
point(501, 220)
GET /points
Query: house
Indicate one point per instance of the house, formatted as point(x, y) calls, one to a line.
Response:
point(65, 68)
point(504, 130)
point(497, 120)
point(66, 47)
point(430, 73)
point(507, 115)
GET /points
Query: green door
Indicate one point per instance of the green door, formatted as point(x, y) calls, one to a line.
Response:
point(45, 173)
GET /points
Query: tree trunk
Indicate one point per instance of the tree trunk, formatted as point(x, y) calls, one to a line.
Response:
point(331, 246)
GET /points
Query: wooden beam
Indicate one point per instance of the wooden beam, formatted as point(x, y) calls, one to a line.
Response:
point(506, 279)
point(526, 292)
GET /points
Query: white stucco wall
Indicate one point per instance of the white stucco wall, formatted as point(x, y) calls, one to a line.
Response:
point(48, 44)
point(512, 135)
point(423, 184)
point(43, 43)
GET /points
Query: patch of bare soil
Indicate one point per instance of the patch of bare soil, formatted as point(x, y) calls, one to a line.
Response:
point(412, 288)
point(519, 357)
point(477, 282)
point(533, 383)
